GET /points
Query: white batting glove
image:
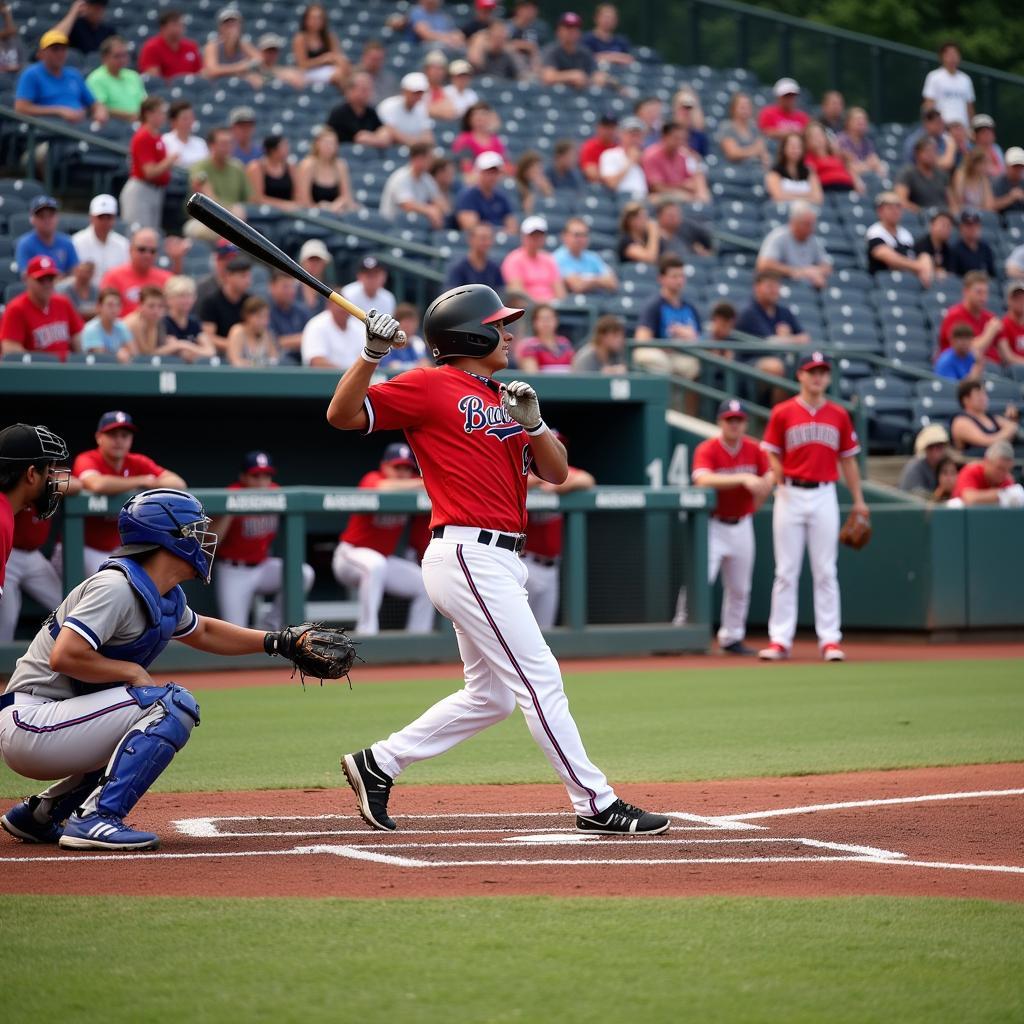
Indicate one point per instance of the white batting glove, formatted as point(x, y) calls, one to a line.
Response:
point(520, 401)
point(381, 333)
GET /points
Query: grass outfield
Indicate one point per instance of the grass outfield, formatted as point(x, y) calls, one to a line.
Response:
point(648, 726)
point(735, 961)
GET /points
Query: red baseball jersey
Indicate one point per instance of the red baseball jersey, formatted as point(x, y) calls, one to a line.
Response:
point(147, 148)
point(544, 534)
point(712, 456)
point(474, 457)
point(380, 531)
point(30, 532)
point(972, 478)
point(1013, 332)
point(419, 535)
point(809, 441)
point(959, 314)
point(6, 537)
point(248, 538)
point(101, 531)
point(41, 330)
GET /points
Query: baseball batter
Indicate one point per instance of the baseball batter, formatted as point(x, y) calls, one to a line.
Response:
point(738, 470)
point(245, 566)
point(365, 556)
point(808, 439)
point(476, 441)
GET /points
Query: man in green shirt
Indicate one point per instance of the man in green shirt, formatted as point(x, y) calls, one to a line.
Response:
point(220, 176)
point(115, 84)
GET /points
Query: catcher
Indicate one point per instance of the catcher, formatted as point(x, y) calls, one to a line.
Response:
point(81, 705)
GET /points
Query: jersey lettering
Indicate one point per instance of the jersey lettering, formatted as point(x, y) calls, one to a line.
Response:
point(812, 433)
point(492, 419)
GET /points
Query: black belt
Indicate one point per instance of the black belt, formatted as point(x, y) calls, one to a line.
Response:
point(547, 563)
point(729, 520)
point(240, 565)
point(508, 541)
point(795, 481)
point(6, 700)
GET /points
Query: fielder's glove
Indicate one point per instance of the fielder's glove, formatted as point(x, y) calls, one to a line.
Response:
point(856, 531)
point(520, 401)
point(322, 652)
point(381, 333)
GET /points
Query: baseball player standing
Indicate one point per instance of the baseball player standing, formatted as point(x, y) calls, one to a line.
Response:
point(808, 439)
point(365, 556)
point(738, 470)
point(245, 566)
point(476, 441)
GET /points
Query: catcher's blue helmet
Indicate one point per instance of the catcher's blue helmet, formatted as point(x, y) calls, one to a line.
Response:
point(174, 520)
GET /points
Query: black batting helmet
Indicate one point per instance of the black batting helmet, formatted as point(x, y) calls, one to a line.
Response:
point(461, 322)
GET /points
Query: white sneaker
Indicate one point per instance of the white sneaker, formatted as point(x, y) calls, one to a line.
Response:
point(832, 652)
point(773, 652)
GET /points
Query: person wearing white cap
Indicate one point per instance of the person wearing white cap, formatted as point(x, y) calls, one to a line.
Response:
point(313, 258)
point(413, 189)
point(1008, 189)
point(229, 52)
point(99, 244)
point(406, 114)
point(459, 92)
point(531, 269)
point(486, 201)
point(919, 476)
point(620, 167)
point(782, 117)
point(367, 291)
point(439, 106)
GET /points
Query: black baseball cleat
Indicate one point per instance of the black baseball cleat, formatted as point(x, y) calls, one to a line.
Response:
point(738, 647)
point(623, 819)
point(372, 788)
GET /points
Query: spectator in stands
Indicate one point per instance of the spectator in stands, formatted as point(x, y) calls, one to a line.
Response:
point(477, 137)
point(105, 332)
point(140, 270)
point(476, 267)
point(355, 120)
point(39, 320)
point(651, 111)
point(442, 170)
point(949, 89)
point(767, 318)
point(670, 169)
point(973, 310)
point(483, 18)
point(920, 475)
point(222, 255)
point(220, 310)
point(269, 69)
point(856, 142)
point(620, 168)
point(406, 114)
point(491, 54)
point(84, 25)
point(373, 62)
point(169, 53)
point(530, 269)
point(924, 185)
point(891, 246)
point(582, 270)
point(48, 88)
point(527, 30)
point(220, 176)
point(1008, 188)
point(936, 241)
point(459, 90)
point(605, 352)
point(990, 482)
point(971, 187)
point(1015, 263)
point(367, 291)
point(783, 117)
point(961, 136)
point(567, 60)
point(412, 189)
point(831, 166)
point(313, 258)
point(332, 339)
point(959, 362)
point(971, 251)
point(721, 325)
point(531, 181)
point(486, 200)
point(435, 68)
point(790, 176)
point(12, 50)
point(271, 180)
point(984, 128)
point(321, 177)
point(80, 289)
point(146, 326)
point(427, 23)
point(184, 334)
point(181, 142)
point(639, 237)
point(564, 173)
point(116, 85)
point(44, 239)
point(100, 244)
point(1011, 344)
point(682, 237)
point(545, 351)
point(414, 352)
point(251, 342)
point(833, 112)
point(229, 52)
point(973, 429)
point(316, 49)
point(934, 128)
point(607, 45)
point(605, 137)
point(946, 473)
point(739, 138)
point(287, 317)
point(686, 111)
point(242, 122)
point(142, 198)
point(793, 250)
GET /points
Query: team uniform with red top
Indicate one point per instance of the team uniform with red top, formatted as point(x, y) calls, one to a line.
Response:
point(475, 460)
point(6, 537)
point(28, 570)
point(809, 442)
point(365, 558)
point(731, 530)
point(41, 330)
point(960, 314)
point(245, 567)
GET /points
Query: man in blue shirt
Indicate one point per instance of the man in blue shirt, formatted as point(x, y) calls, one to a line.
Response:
point(959, 362)
point(49, 89)
point(427, 23)
point(486, 201)
point(582, 269)
point(766, 318)
point(476, 267)
point(44, 239)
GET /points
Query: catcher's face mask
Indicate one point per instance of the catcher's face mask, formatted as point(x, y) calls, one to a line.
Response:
point(55, 487)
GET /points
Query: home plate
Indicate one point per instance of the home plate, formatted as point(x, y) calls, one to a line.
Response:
point(552, 838)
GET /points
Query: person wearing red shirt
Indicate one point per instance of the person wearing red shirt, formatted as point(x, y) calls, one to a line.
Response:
point(245, 566)
point(29, 571)
point(141, 269)
point(971, 310)
point(808, 439)
point(365, 556)
point(604, 138)
point(39, 320)
point(989, 482)
point(830, 165)
point(169, 54)
point(112, 468)
point(476, 442)
point(142, 198)
point(667, 167)
point(1011, 344)
point(738, 470)
point(783, 117)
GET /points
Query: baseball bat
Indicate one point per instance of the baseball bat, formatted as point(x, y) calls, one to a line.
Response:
point(224, 223)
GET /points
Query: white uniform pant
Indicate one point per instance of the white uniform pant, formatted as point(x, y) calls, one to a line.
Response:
point(237, 585)
point(507, 662)
point(731, 553)
point(805, 517)
point(543, 588)
point(375, 575)
point(28, 572)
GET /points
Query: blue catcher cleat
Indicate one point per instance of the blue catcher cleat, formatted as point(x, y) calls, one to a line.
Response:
point(104, 832)
point(21, 823)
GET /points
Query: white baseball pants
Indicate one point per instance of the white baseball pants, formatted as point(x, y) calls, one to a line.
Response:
point(27, 572)
point(805, 517)
point(375, 575)
point(481, 589)
point(237, 585)
point(543, 588)
point(731, 553)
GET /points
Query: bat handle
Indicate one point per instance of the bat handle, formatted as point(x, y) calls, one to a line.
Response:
point(400, 340)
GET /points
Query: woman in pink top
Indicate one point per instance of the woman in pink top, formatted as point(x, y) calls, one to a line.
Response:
point(530, 269)
point(477, 136)
point(547, 351)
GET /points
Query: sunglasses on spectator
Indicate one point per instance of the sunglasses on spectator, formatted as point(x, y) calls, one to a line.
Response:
point(146, 249)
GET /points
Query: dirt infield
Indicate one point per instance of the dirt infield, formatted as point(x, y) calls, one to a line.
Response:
point(954, 832)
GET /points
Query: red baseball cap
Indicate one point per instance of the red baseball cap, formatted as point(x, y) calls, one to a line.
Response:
point(40, 267)
point(731, 409)
point(571, 19)
point(815, 361)
point(486, 5)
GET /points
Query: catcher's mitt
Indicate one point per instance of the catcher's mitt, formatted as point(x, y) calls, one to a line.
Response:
point(322, 652)
point(856, 531)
